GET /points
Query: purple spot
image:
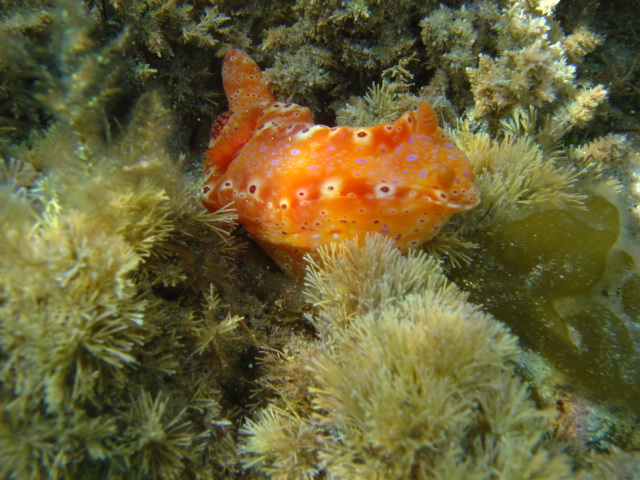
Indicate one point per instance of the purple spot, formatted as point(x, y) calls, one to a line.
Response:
point(423, 174)
point(410, 141)
point(385, 231)
point(382, 149)
point(457, 180)
point(331, 149)
point(448, 145)
point(451, 157)
point(263, 149)
point(316, 236)
point(361, 161)
point(274, 162)
point(465, 174)
point(396, 182)
point(295, 152)
point(405, 170)
point(313, 167)
point(412, 157)
point(314, 155)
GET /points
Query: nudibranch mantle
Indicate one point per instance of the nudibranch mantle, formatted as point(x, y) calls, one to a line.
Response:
point(297, 185)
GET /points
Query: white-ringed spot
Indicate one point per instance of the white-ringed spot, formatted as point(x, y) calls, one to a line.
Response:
point(384, 191)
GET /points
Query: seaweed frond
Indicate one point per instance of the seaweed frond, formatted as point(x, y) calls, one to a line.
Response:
point(280, 444)
point(157, 446)
point(516, 172)
point(383, 103)
point(346, 280)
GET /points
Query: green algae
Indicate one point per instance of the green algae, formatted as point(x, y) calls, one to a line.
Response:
point(551, 276)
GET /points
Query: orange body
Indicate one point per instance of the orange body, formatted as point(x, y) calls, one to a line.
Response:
point(297, 185)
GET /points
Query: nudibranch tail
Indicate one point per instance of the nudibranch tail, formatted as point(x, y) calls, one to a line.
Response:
point(248, 95)
point(243, 82)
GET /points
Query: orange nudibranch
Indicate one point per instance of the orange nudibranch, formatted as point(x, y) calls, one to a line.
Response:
point(297, 185)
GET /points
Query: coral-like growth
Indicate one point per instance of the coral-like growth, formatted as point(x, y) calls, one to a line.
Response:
point(89, 217)
point(378, 39)
point(407, 380)
point(527, 61)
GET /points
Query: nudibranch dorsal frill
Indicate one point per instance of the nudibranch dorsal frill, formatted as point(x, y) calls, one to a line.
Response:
point(297, 185)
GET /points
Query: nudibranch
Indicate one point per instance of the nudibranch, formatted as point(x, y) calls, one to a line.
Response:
point(297, 185)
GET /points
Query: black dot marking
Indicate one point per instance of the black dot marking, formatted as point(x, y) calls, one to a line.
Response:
point(252, 189)
point(206, 189)
point(384, 189)
point(330, 188)
point(283, 206)
point(304, 130)
point(409, 120)
point(362, 134)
